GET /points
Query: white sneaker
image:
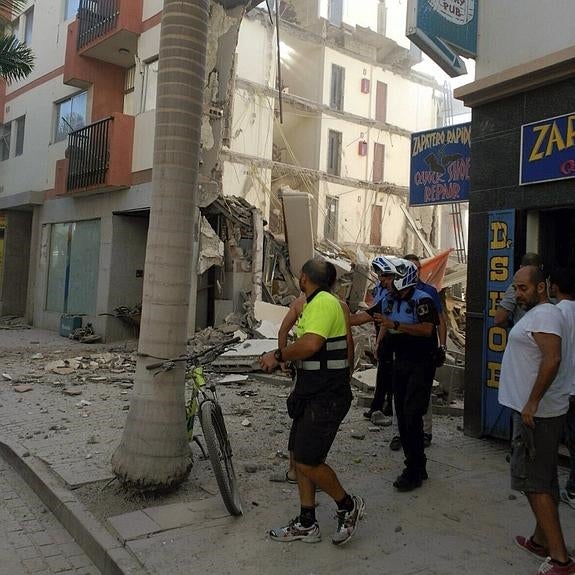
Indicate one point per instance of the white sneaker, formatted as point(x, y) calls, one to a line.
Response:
point(295, 531)
point(347, 521)
point(568, 498)
point(377, 418)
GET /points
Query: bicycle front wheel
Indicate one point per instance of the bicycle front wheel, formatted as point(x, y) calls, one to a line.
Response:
point(220, 452)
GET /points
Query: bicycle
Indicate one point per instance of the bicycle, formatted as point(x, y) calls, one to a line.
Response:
point(204, 402)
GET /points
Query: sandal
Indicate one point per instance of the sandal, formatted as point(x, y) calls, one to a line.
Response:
point(290, 480)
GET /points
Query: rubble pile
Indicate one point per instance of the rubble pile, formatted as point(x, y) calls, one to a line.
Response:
point(13, 322)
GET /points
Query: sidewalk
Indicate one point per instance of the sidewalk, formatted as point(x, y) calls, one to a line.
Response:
point(461, 521)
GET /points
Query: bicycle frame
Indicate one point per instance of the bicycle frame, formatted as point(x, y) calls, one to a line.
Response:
point(196, 381)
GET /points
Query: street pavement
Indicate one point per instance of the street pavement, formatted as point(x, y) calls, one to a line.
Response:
point(32, 541)
point(461, 521)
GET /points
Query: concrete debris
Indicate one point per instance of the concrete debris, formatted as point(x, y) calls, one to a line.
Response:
point(211, 248)
point(63, 370)
point(72, 392)
point(85, 334)
point(22, 388)
point(83, 403)
point(38, 356)
point(62, 364)
point(244, 356)
point(7, 377)
point(357, 435)
point(365, 380)
point(13, 322)
point(232, 379)
point(246, 423)
point(298, 224)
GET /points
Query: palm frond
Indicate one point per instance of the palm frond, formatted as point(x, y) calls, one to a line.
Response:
point(16, 59)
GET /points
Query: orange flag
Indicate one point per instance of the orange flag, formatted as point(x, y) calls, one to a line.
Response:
point(433, 269)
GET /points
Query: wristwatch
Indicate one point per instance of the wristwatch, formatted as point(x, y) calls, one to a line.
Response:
point(395, 325)
point(278, 355)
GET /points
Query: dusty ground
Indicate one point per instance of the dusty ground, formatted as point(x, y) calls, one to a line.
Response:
point(77, 440)
point(461, 521)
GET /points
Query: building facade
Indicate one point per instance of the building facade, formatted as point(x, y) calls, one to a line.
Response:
point(350, 104)
point(523, 151)
point(77, 142)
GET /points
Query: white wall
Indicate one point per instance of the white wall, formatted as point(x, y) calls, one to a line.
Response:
point(512, 33)
point(355, 214)
point(151, 8)
point(49, 34)
point(256, 54)
point(252, 124)
point(409, 104)
point(250, 183)
point(302, 67)
point(397, 151)
point(34, 170)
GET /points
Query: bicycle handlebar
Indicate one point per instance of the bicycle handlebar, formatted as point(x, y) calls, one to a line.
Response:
point(218, 348)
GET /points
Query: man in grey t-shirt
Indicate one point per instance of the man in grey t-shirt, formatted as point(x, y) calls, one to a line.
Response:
point(508, 312)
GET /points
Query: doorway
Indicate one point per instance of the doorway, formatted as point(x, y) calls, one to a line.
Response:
point(557, 238)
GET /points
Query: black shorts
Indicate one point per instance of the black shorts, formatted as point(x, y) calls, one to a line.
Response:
point(313, 432)
point(534, 455)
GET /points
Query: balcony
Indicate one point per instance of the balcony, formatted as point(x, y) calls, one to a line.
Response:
point(98, 157)
point(108, 30)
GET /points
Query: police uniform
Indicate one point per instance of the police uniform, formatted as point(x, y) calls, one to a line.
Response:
point(412, 356)
point(322, 394)
point(384, 358)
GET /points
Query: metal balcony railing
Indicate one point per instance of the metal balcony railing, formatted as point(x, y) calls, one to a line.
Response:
point(88, 155)
point(96, 18)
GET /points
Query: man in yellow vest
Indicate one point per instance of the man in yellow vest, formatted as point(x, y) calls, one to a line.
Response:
point(323, 355)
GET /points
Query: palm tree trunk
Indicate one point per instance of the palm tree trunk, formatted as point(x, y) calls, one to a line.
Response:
point(154, 452)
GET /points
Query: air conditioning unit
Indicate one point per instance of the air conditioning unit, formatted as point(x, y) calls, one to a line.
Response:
point(362, 148)
point(365, 86)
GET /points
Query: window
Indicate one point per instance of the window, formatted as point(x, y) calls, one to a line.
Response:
point(331, 218)
point(150, 86)
point(337, 87)
point(70, 115)
point(5, 134)
point(20, 129)
point(335, 12)
point(71, 9)
point(381, 102)
point(28, 25)
point(73, 267)
point(334, 153)
point(378, 163)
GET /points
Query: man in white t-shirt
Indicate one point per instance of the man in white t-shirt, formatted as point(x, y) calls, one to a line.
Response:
point(562, 287)
point(534, 384)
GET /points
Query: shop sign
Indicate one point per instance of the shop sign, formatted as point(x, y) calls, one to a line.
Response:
point(499, 276)
point(444, 29)
point(548, 150)
point(440, 162)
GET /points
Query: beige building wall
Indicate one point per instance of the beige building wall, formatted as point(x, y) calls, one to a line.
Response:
point(509, 34)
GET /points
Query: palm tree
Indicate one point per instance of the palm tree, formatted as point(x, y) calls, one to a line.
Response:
point(154, 453)
point(16, 58)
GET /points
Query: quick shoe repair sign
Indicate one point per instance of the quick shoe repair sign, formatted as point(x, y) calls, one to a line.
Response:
point(440, 163)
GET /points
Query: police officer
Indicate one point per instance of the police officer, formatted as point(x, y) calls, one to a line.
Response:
point(410, 320)
point(381, 409)
point(323, 353)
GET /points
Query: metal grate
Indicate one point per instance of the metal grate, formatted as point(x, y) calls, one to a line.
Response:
point(89, 155)
point(96, 18)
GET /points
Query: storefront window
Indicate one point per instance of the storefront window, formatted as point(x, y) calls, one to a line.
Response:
point(73, 267)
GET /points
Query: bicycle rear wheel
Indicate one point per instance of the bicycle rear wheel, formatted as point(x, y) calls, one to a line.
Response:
point(220, 452)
